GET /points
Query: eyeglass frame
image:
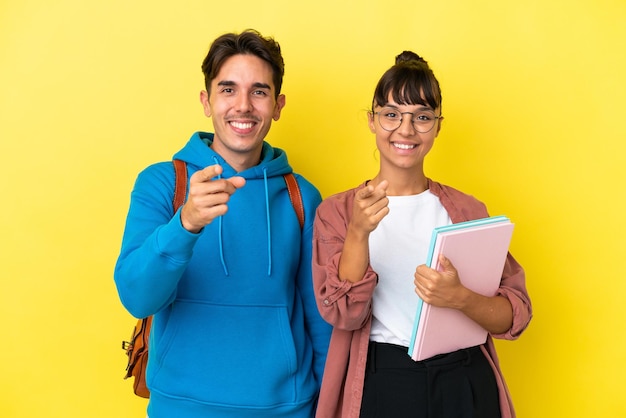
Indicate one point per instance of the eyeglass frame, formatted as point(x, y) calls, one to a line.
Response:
point(440, 117)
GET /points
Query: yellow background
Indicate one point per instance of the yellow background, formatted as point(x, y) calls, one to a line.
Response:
point(92, 92)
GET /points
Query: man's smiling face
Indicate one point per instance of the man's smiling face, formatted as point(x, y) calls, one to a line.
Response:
point(242, 104)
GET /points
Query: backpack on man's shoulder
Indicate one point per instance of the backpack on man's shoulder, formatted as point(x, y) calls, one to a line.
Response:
point(137, 348)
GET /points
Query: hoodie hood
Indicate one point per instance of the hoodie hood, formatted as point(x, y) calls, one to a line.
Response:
point(198, 155)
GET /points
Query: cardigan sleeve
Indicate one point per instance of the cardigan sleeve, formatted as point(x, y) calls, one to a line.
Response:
point(513, 287)
point(343, 304)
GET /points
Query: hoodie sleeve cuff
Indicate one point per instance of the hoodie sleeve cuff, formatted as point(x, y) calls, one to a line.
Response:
point(174, 241)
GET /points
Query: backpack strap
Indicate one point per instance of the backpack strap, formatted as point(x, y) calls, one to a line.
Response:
point(180, 187)
point(295, 196)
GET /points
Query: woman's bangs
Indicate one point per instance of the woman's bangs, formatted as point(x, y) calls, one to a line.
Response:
point(412, 90)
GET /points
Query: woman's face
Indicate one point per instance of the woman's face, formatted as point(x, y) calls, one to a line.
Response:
point(405, 146)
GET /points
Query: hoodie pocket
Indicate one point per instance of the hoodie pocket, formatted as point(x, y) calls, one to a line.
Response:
point(228, 355)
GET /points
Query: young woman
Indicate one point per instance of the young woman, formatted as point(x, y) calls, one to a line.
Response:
point(370, 245)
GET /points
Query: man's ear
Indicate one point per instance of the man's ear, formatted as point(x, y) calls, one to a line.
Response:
point(204, 99)
point(280, 103)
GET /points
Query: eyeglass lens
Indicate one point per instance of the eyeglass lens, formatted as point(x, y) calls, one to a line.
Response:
point(390, 119)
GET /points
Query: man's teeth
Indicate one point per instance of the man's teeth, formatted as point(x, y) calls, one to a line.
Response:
point(241, 125)
point(404, 146)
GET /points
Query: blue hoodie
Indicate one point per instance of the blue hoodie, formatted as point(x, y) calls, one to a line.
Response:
point(236, 331)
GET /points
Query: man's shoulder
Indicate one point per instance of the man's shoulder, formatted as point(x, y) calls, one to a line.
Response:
point(159, 169)
point(308, 190)
point(156, 176)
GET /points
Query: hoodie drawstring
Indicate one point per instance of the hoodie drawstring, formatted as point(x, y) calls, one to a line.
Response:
point(269, 226)
point(221, 241)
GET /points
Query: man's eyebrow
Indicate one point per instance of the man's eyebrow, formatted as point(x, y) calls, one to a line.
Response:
point(262, 86)
point(257, 85)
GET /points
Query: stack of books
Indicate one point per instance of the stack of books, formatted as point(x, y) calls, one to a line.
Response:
point(478, 250)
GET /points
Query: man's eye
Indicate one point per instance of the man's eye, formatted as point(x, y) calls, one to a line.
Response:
point(227, 90)
point(390, 115)
point(259, 93)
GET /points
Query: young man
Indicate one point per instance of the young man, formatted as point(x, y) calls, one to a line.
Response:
point(236, 331)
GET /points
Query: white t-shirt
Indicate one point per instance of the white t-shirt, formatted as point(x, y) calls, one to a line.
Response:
point(397, 246)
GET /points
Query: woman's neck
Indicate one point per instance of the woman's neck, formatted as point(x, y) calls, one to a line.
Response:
point(402, 185)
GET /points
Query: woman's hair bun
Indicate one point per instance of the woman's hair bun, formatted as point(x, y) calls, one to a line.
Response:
point(408, 56)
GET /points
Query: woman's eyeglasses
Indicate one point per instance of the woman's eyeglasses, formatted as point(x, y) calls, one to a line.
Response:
point(390, 119)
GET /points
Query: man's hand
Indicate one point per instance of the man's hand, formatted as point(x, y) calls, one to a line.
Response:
point(207, 198)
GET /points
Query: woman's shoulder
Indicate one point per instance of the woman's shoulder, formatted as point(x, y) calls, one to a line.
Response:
point(344, 196)
point(458, 203)
point(439, 189)
point(339, 202)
